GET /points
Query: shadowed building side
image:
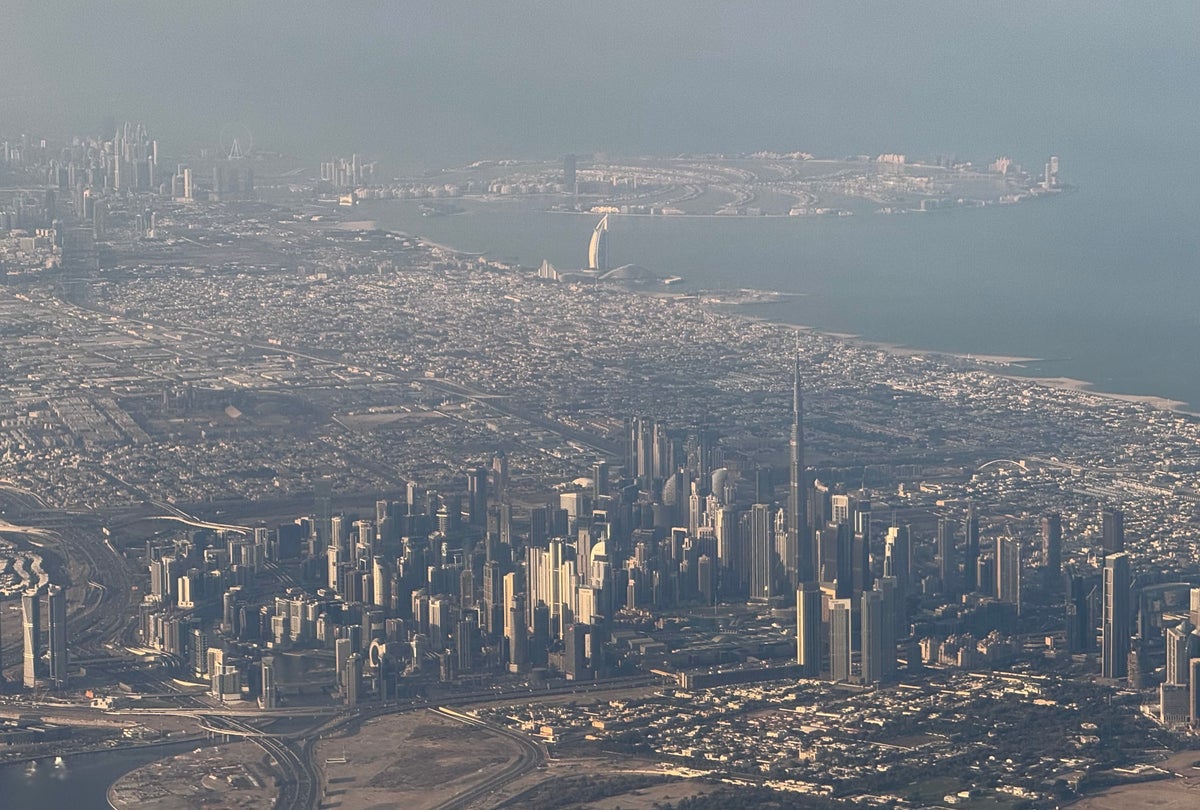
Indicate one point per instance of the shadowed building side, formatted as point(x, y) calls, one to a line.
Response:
point(56, 608)
point(31, 625)
point(1116, 625)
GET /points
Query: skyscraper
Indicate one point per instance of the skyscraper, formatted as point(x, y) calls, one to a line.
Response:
point(31, 627)
point(333, 567)
point(598, 246)
point(889, 609)
point(270, 690)
point(844, 561)
point(1112, 529)
point(477, 496)
point(808, 629)
point(898, 565)
point(947, 558)
point(799, 537)
point(1115, 630)
point(1194, 692)
point(517, 635)
point(841, 614)
point(352, 675)
point(971, 557)
point(873, 634)
point(1181, 646)
point(575, 642)
point(863, 576)
point(1008, 570)
point(1052, 549)
point(1080, 632)
point(803, 565)
point(599, 479)
point(56, 607)
point(323, 506)
point(760, 533)
point(466, 637)
point(569, 174)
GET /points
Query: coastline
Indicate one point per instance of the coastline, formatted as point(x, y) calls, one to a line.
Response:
point(373, 225)
point(986, 361)
point(983, 362)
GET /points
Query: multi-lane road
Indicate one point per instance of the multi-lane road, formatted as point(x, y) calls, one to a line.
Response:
point(529, 757)
point(298, 780)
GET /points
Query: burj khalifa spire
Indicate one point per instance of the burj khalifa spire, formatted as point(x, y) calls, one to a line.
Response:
point(800, 546)
point(799, 537)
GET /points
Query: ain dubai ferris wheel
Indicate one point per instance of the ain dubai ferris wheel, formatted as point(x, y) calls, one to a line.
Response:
point(237, 141)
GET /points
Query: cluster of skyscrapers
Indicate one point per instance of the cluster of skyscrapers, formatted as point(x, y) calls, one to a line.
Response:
point(44, 638)
point(443, 583)
point(347, 173)
point(446, 584)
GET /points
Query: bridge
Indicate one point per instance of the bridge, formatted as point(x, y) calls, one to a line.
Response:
point(181, 516)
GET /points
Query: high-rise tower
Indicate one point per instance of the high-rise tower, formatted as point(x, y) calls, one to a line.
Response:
point(873, 632)
point(971, 559)
point(270, 689)
point(569, 176)
point(1008, 570)
point(841, 613)
point(799, 537)
point(1181, 644)
point(762, 552)
point(1052, 550)
point(56, 607)
point(1115, 630)
point(598, 246)
point(31, 623)
point(477, 496)
point(947, 556)
point(1112, 529)
point(802, 563)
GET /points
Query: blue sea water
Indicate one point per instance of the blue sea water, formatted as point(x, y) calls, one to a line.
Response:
point(1100, 284)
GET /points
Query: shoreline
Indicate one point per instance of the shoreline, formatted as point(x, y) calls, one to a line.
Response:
point(982, 362)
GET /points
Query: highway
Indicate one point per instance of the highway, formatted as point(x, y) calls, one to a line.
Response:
point(298, 780)
point(294, 752)
point(101, 588)
point(531, 755)
point(503, 406)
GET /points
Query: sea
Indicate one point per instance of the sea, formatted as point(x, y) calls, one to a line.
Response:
point(1099, 284)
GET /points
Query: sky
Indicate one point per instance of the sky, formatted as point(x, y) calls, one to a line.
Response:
point(434, 83)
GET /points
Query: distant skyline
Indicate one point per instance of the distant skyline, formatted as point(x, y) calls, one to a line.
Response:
point(430, 84)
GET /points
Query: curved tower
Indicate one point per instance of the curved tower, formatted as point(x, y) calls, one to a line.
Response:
point(598, 247)
point(31, 625)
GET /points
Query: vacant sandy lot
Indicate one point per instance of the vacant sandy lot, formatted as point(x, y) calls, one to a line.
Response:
point(410, 761)
point(227, 777)
point(1180, 793)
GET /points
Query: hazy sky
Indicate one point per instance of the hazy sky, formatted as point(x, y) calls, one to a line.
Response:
point(430, 83)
